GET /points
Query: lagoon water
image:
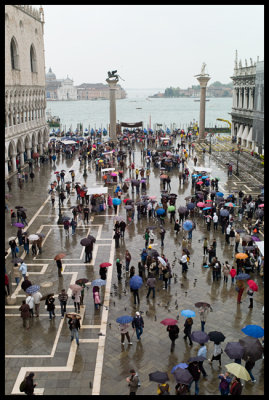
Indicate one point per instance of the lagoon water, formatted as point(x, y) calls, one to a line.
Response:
point(138, 107)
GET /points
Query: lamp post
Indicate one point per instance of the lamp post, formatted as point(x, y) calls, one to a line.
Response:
point(85, 158)
point(210, 149)
point(60, 219)
point(237, 162)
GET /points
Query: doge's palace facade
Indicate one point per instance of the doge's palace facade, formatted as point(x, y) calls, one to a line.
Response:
point(26, 130)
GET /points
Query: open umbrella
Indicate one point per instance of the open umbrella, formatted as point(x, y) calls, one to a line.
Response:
point(59, 256)
point(46, 284)
point(75, 288)
point(32, 289)
point(219, 194)
point(224, 213)
point(207, 208)
point(128, 207)
point(253, 285)
point(41, 235)
point(196, 359)
point(66, 218)
point(182, 210)
point(125, 200)
point(238, 370)
point(119, 218)
point(188, 313)
point(199, 337)
point(17, 207)
point(91, 238)
point(171, 208)
point(234, 350)
point(162, 261)
point(160, 211)
point(82, 281)
point(158, 376)
point(209, 201)
point(69, 315)
point(152, 197)
point(241, 256)
point(163, 176)
point(18, 225)
point(200, 183)
point(202, 304)
point(45, 296)
point(216, 336)
point(243, 276)
point(105, 265)
point(151, 227)
point(190, 206)
point(188, 225)
point(200, 204)
point(136, 282)
point(17, 260)
point(255, 331)
point(255, 238)
point(124, 319)
point(230, 205)
point(169, 321)
point(180, 365)
point(186, 251)
point(116, 201)
point(98, 282)
point(183, 376)
point(85, 242)
point(33, 237)
point(247, 238)
point(253, 348)
point(261, 205)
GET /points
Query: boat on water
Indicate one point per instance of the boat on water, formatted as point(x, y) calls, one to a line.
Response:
point(53, 121)
point(139, 108)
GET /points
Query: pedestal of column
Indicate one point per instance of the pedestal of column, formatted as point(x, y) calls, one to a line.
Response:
point(202, 79)
point(112, 109)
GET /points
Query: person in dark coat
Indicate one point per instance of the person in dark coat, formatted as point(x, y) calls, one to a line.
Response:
point(119, 268)
point(30, 385)
point(236, 387)
point(138, 324)
point(88, 253)
point(59, 267)
point(102, 273)
point(25, 314)
point(50, 306)
point(173, 334)
point(187, 329)
point(195, 372)
point(117, 236)
point(122, 228)
point(26, 283)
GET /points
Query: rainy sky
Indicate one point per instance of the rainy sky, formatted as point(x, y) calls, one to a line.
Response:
point(151, 46)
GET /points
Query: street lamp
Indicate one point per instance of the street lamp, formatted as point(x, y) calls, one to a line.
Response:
point(237, 162)
point(60, 219)
point(210, 149)
point(85, 157)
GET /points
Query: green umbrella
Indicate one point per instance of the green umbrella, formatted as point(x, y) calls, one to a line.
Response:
point(171, 208)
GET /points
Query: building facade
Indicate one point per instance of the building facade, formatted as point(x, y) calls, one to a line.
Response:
point(26, 130)
point(245, 102)
point(59, 89)
point(94, 91)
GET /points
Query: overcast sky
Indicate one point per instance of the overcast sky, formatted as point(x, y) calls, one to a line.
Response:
point(151, 46)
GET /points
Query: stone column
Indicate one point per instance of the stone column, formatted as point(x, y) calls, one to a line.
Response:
point(28, 150)
point(251, 97)
point(14, 165)
point(234, 97)
point(22, 158)
point(241, 97)
point(112, 100)
point(35, 148)
point(246, 98)
point(202, 79)
point(6, 168)
point(40, 145)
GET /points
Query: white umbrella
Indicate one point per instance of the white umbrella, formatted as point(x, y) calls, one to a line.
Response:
point(33, 237)
point(162, 261)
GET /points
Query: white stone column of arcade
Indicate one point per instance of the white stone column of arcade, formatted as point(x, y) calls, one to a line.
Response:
point(13, 161)
point(28, 151)
point(22, 158)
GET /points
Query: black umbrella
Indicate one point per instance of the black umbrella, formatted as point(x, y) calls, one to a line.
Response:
point(216, 336)
point(65, 218)
point(202, 304)
point(158, 376)
point(183, 376)
point(92, 238)
point(182, 210)
point(17, 207)
point(85, 242)
point(152, 227)
point(128, 207)
point(199, 337)
point(196, 359)
point(252, 348)
point(234, 350)
point(17, 260)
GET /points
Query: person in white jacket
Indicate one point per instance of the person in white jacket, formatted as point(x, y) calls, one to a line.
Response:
point(184, 263)
point(215, 221)
point(37, 296)
point(30, 302)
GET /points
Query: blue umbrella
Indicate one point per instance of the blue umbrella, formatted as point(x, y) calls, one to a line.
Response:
point(116, 201)
point(242, 276)
point(124, 319)
point(190, 206)
point(207, 208)
point(188, 225)
point(32, 289)
point(220, 194)
point(229, 205)
point(204, 177)
point(188, 313)
point(160, 211)
point(181, 365)
point(136, 282)
point(195, 175)
point(224, 213)
point(92, 130)
point(98, 282)
point(206, 266)
point(255, 331)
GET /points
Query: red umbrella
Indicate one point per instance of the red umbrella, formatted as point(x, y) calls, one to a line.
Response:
point(253, 285)
point(169, 321)
point(104, 265)
point(59, 256)
point(200, 204)
point(35, 155)
point(200, 183)
point(209, 201)
point(56, 172)
point(124, 201)
point(261, 205)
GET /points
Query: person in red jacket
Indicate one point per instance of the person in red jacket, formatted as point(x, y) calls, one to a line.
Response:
point(7, 285)
point(233, 273)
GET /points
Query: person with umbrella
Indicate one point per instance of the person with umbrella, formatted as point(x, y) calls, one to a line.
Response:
point(173, 331)
point(128, 258)
point(249, 365)
point(138, 324)
point(50, 306)
point(26, 283)
point(102, 273)
point(184, 262)
point(96, 298)
point(240, 287)
point(162, 234)
point(187, 329)
point(122, 228)
point(119, 269)
point(202, 352)
point(117, 236)
point(250, 294)
point(63, 297)
point(59, 267)
point(88, 252)
point(193, 368)
point(74, 326)
point(25, 242)
point(19, 236)
point(124, 325)
point(224, 385)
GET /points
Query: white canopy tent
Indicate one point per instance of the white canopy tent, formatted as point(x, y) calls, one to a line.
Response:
point(97, 190)
point(108, 169)
point(260, 246)
point(68, 141)
point(202, 169)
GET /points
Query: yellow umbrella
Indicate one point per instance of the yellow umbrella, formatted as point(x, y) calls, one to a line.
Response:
point(238, 370)
point(241, 256)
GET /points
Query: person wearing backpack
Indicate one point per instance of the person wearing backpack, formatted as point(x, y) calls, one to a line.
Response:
point(224, 386)
point(27, 386)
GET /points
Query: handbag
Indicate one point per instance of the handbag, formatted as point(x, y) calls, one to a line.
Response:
point(73, 297)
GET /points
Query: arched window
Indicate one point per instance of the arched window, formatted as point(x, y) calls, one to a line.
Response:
point(14, 54)
point(33, 59)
